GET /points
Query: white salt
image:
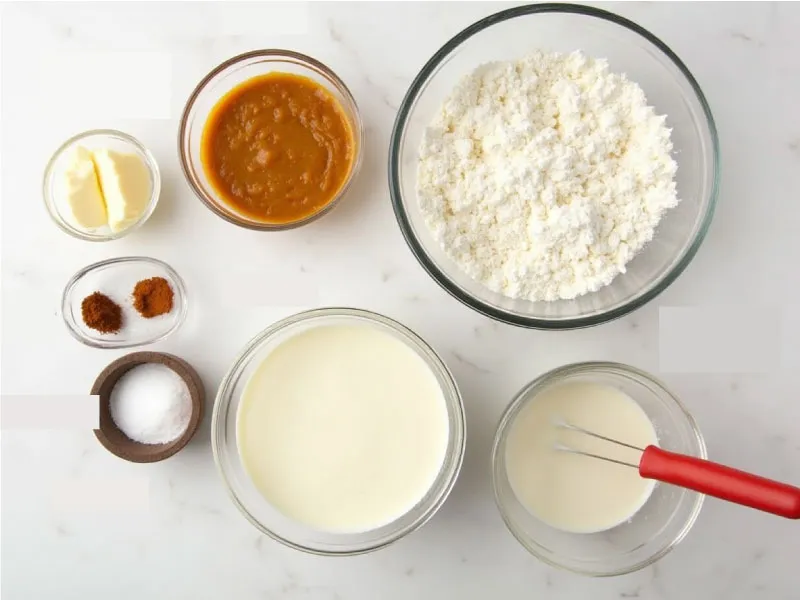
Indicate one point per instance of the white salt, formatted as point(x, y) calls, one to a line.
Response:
point(151, 404)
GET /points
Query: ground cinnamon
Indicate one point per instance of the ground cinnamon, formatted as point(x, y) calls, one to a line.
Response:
point(101, 313)
point(153, 297)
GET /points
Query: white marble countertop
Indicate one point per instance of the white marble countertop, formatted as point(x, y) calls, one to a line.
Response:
point(190, 542)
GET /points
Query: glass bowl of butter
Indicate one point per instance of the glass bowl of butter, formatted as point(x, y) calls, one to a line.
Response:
point(101, 184)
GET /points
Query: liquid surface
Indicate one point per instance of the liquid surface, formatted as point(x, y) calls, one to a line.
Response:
point(571, 492)
point(343, 428)
point(277, 148)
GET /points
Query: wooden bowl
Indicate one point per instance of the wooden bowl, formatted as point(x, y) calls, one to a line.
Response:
point(112, 437)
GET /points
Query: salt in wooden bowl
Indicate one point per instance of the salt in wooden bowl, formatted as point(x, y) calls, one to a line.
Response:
point(113, 439)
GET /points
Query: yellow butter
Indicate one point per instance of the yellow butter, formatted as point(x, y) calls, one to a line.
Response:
point(125, 184)
point(83, 199)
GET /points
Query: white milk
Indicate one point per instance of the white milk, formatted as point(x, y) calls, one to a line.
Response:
point(577, 493)
point(343, 428)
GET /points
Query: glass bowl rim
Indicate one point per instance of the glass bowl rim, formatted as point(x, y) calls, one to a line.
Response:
point(452, 396)
point(438, 275)
point(559, 374)
point(50, 203)
point(359, 134)
point(111, 344)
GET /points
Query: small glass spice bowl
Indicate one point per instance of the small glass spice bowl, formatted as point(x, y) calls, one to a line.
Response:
point(116, 279)
point(223, 79)
point(96, 139)
point(650, 533)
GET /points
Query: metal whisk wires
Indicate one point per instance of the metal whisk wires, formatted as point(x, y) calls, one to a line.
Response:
point(561, 424)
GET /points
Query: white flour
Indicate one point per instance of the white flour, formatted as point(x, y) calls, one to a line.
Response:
point(543, 178)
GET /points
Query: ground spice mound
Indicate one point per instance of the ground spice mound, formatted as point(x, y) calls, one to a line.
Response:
point(153, 297)
point(101, 313)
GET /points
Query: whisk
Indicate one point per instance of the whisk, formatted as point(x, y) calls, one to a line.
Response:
point(702, 476)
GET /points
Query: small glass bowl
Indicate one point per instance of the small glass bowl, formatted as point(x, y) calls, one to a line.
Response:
point(670, 88)
point(96, 139)
point(219, 82)
point(255, 507)
point(116, 279)
point(655, 529)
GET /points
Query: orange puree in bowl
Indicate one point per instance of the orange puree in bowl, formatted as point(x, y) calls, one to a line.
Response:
point(277, 148)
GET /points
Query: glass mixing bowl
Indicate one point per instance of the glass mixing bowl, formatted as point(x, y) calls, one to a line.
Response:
point(255, 507)
point(655, 529)
point(630, 49)
point(223, 79)
point(97, 139)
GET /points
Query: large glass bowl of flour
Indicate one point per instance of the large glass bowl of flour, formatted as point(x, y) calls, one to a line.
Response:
point(670, 89)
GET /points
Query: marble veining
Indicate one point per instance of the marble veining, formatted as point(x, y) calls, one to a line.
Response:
point(191, 541)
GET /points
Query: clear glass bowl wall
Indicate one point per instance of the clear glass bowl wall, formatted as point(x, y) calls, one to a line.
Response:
point(253, 505)
point(655, 529)
point(670, 88)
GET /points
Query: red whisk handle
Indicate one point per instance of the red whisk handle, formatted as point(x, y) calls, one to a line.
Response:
point(721, 482)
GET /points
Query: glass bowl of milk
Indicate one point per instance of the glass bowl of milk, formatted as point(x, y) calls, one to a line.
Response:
point(338, 431)
point(578, 512)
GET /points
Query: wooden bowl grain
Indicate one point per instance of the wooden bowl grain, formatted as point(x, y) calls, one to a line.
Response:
point(112, 437)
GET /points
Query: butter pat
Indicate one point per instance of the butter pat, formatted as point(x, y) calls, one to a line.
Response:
point(83, 199)
point(125, 185)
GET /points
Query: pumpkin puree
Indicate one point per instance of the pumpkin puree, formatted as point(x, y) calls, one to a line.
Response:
point(277, 148)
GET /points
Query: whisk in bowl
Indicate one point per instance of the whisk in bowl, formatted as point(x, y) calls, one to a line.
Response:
point(703, 476)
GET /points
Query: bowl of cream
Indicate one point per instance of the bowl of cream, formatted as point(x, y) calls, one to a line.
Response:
point(338, 431)
point(576, 511)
